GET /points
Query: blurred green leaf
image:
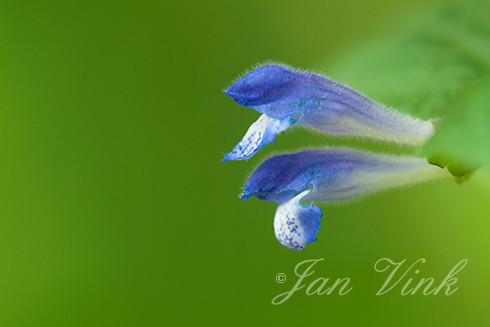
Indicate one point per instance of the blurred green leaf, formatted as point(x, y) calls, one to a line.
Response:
point(465, 134)
point(435, 66)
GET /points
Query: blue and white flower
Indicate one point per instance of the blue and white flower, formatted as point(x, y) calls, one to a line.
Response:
point(286, 97)
point(330, 175)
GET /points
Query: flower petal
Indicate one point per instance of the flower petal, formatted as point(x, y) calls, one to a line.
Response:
point(261, 132)
point(305, 98)
point(335, 174)
point(295, 224)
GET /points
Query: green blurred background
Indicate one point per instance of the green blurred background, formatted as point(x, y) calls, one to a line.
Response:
point(116, 211)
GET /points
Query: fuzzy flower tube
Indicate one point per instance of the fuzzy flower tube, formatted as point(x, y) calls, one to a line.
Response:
point(331, 175)
point(287, 97)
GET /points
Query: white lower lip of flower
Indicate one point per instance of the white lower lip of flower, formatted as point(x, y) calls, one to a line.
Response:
point(295, 224)
point(260, 133)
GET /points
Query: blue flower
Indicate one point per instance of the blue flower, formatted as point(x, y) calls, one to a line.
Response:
point(288, 97)
point(328, 174)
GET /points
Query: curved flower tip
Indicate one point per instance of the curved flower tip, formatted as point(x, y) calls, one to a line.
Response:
point(293, 97)
point(295, 225)
point(263, 85)
point(261, 132)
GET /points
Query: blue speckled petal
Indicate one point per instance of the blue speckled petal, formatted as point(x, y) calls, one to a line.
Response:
point(335, 174)
point(295, 225)
point(261, 132)
point(303, 98)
